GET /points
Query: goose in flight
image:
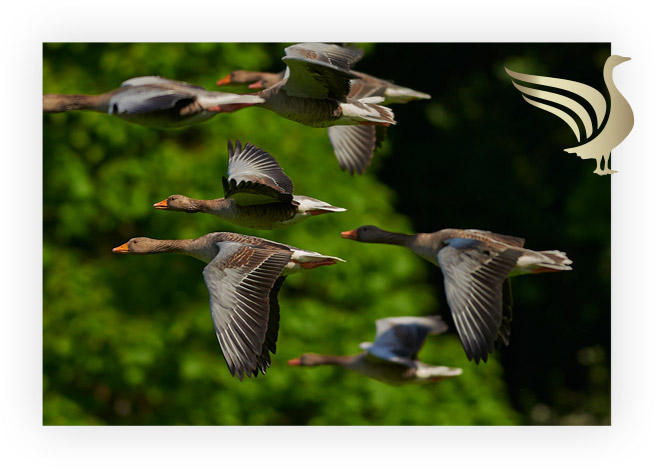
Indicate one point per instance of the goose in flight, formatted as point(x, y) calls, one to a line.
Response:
point(257, 194)
point(608, 134)
point(353, 145)
point(476, 265)
point(315, 91)
point(243, 275)
point(392, 358)
point(154, 102)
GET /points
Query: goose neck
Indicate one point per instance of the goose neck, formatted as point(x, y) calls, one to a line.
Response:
point(74, 102)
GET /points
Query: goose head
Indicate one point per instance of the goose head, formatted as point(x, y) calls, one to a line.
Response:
point(307, 359)
point(368, 234)
point(253, 79)
point(137, 246)
point(178, 203)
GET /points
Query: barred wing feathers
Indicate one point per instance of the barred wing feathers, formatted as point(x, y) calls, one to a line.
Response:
point(240, 280)
point(255, 177)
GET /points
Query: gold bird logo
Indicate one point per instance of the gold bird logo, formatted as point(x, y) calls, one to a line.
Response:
point(608, 134)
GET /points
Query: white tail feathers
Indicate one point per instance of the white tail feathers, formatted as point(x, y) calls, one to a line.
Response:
point(361, 111)
point(557, 260)
point(308, 204)
point(398, 94)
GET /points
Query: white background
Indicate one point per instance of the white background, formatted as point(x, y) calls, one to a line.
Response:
point(640, 213)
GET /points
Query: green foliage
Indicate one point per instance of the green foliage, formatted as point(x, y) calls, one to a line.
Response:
point(129, 339)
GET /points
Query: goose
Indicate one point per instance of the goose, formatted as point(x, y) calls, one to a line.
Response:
point(614, 130)
point(315, 92)
point(476, 265)
point(257, 194)
point(154, 101)
point(353, 145)
point(243, 275)
point(392, 358)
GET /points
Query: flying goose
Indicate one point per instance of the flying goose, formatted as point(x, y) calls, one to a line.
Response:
point(154, 101)
point(257, 194)
point(353, 145)
point(315, 91)
point(475, 266)
point(598, 142)
point(392, 358)
point(243, 275)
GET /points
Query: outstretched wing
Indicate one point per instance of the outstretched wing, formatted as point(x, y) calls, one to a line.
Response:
point(255, 177)
point(160, 81)
point(399, 339)
point(353, 145)
point(319, 71)
point(553, 102)
point(143, 99)
point(245, 313)
point(473, 279)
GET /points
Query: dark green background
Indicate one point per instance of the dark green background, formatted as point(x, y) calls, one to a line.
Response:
point(129, 340)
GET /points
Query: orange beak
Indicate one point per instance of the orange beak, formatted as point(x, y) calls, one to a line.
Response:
point(349, 234)
point(256, 86)
point(123, 249)
point(225, 81)
point(162, 205)
point(294, 362)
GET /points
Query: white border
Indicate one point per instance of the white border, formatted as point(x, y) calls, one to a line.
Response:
point(640, 214)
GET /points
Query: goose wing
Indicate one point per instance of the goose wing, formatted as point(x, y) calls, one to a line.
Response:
point(400, 339)
point(473, 280)
point(160, 81)
point(319, 71)
point(503, 334)
point(255, 177)
point(144, 99)
point(242, 281)
point(366, 86)
point(353, 146)
point(554, 102)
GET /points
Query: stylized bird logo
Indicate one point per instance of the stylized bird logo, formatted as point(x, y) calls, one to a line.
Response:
point(597, 144)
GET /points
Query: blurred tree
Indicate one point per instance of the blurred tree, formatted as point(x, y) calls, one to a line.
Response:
point(129, 340)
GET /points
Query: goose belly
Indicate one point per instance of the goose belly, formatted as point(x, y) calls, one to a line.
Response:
point(264, 216)
point(306, 111)
point(167, 118)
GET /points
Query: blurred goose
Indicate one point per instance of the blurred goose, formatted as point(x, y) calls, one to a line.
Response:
point(609, 135)
point(243, 275)
point(154, 101)
point(257, 194)
point(254, 80)
point(392, 358)
point(475, 266)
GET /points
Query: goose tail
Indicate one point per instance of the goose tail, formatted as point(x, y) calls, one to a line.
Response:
point(367, 111)
point(314, 206)
point(536, 262)
point(399, 94)
point(554, 261)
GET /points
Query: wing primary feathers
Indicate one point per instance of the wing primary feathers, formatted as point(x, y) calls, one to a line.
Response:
point(474, 280)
